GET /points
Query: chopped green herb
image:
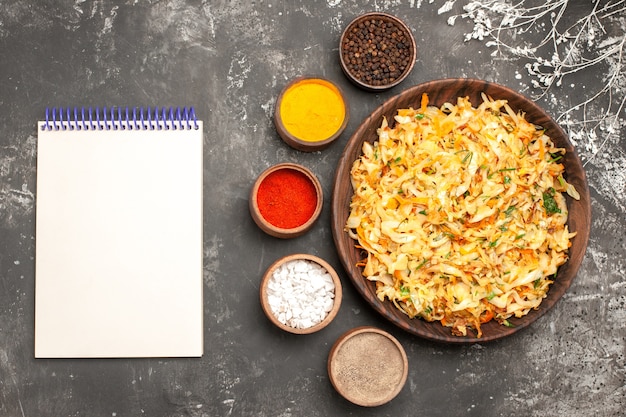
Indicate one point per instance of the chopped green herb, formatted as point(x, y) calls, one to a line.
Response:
point(555, 158)
point(468, 156)
point(421, 264)
point(507, 179)
point(494, 243)
point(398, 159)
point(491, 296)
point(422, 212)
point(510, 210)
point(507, 169)
point(507, 323)
point(419, 116)
point(549, 203)
point(404, 291)
point(520, 236)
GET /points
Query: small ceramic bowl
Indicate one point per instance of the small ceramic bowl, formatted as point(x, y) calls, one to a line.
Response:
point(287, 277)
point(367, 366)
point(311, 113)
point(374, 64)
point(286, 200)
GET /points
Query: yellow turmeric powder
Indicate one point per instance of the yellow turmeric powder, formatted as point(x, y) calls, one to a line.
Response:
point(312, 110)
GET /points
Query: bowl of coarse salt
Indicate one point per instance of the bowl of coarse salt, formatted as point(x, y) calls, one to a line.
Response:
point(300, 293)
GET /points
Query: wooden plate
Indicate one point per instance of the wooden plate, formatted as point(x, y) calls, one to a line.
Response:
point(441, 91)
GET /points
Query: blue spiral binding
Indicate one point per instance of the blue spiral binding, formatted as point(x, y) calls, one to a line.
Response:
point(118, 118)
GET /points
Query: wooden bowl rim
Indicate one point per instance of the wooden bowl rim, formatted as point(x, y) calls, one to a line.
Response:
point(407, 71)
point(303, 145)
point(574, 172)
point(342, 340)
point(268, 227)
point(307, 257)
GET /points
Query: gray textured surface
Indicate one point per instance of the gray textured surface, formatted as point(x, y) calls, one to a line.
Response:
point(230, 60)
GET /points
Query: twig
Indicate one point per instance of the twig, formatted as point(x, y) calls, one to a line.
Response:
point(582, 46)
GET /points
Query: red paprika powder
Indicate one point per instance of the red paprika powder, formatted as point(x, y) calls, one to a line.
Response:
point(287, 198)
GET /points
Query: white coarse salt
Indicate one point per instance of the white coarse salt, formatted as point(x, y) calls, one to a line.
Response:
point(300, 293)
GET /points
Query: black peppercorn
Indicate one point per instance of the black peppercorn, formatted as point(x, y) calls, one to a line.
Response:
point(383, 47)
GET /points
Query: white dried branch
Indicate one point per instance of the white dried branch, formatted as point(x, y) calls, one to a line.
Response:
point(561, 52)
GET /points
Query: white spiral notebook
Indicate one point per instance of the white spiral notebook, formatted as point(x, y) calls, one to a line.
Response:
point(118, 268)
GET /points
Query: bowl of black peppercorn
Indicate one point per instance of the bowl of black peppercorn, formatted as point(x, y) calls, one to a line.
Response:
point(377, 51)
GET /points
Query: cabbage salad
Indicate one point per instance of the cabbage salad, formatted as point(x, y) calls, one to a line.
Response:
point(461, 213)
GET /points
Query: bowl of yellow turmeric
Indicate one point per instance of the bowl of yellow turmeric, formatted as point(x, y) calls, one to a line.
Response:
point(310, 113)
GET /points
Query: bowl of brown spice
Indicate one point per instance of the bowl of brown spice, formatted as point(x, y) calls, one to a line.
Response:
point(367, 366)
point(377, 51)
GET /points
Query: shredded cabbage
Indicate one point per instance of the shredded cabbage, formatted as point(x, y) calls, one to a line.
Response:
point(449, 206)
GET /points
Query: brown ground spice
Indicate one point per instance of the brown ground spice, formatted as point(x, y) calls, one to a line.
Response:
point(368, 368)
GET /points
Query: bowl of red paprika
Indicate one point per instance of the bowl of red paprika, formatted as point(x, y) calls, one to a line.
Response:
point(286, 200)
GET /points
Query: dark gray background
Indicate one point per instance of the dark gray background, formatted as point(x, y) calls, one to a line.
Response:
point(230, 60)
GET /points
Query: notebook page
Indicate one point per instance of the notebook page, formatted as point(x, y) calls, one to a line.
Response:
point(119, 243)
